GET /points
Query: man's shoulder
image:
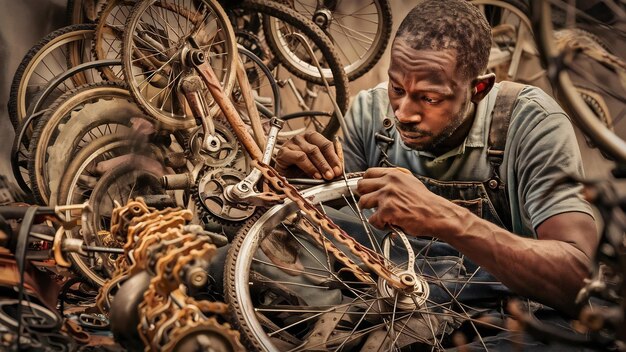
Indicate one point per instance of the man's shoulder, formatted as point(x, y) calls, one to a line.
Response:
point(376, 94)
point(536, 97)
point(370, 106)
point(533, 106)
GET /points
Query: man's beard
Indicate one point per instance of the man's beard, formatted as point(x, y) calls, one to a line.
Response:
point(436, 140)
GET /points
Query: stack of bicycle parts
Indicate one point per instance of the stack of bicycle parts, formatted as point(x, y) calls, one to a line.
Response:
point(81, 143)
point(150, 298)
point(28, 286)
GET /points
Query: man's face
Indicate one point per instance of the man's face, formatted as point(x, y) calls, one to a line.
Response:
point(430, 99)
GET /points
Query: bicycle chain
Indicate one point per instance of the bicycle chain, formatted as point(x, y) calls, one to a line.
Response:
point(373, 260)
point(174, 254)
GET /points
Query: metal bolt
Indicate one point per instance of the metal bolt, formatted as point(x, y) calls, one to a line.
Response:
point(198, 277)
point(408, 280)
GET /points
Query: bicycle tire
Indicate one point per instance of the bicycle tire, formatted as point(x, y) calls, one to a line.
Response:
point(176, 118)
point(18, 97)
point(273, 11)
point(78, 171)
point(313, 32)
point(48, 128)
point(107, 43)
point(19, 149)
point(582, 114)
point(272, 309)
point(340, 32)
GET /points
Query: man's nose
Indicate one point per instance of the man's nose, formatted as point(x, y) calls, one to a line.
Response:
point(408, 112)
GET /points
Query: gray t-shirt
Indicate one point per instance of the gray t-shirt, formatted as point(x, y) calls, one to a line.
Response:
point(540, 149)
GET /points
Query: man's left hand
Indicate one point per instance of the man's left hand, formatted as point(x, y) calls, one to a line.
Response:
point(402, 200)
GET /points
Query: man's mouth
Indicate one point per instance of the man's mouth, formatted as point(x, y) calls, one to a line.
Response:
point(412, 135)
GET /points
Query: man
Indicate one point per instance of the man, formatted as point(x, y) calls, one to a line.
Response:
point(482, 157)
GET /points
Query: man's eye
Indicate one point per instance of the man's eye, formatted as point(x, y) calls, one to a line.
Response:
point(397, 90)
point(430, 100)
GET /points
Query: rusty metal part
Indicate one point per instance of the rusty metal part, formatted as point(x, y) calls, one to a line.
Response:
point(174, 254)
point(373, 260)
point(186, 269)
point(229, 147)
point(59, 258)
point(209, 194)
point(253, 113)
point(76, 331)
point(313, 231)
point(229, 110)
point(122, 216)
point(339, 151)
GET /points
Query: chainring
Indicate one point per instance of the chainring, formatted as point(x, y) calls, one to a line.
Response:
point(208, 194)
point(206, 334)
point(229, 151)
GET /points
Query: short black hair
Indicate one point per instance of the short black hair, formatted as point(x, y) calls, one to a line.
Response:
point(450, 24)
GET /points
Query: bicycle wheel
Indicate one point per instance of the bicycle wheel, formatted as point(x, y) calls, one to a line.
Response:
point(107, 43)
point(19, 151)
point(79, 183)
point(71, 122)
point(305, 95)
point(288, 292)
point(584, 51)
point(359, 30)
point(53, 55)
point(281, 25)
point(156, 37)
point(513, 45)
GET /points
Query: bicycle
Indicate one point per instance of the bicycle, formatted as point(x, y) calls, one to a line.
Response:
point(398, 286)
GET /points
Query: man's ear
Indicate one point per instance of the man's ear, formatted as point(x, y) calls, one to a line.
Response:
point(481, 86)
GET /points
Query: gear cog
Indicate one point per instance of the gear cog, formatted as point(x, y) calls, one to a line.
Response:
point(206, 334)
point(229, 151)
point(209, 196)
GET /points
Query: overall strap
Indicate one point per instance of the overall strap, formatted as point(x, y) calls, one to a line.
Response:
point(501, 118)
point(498, 131)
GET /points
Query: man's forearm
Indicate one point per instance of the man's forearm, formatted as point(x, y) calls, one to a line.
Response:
point(549, 271)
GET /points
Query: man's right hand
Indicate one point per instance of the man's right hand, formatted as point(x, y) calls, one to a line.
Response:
point(311, 154)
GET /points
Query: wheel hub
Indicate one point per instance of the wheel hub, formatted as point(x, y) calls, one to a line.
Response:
point(412, 298)
point(322, 18)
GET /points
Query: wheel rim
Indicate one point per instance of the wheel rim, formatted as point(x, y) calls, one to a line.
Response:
point(107, 42)
point(342, 24)
point(155, 42)
point(281, 33)
point(38, 152)
point(278, 326)
point(78, 185)
point(560, 64)
point(51, 70)
point(515, 36)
